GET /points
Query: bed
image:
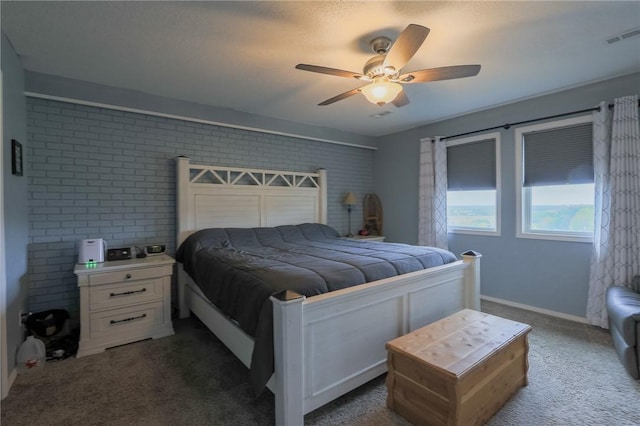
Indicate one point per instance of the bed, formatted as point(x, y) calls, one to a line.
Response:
point(323, 345)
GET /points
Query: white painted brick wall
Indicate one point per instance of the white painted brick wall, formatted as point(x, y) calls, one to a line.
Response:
point(100, 173)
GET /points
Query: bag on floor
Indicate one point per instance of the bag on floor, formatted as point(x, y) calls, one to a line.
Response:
point(52, 327)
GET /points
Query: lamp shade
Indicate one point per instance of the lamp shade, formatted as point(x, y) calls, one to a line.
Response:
point(349, 199)
point(381, 91)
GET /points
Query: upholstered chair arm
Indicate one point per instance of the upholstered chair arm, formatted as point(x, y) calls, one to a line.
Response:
point(623, 306)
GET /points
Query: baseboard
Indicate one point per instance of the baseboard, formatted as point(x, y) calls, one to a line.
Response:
point(536, 309)
point(12, 378)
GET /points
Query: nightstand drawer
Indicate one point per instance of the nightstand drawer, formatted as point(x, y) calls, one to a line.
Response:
point(126, 275)
point(124, 294)
point(130, 322)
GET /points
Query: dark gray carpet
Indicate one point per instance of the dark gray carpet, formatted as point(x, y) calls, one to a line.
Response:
point(575, 378)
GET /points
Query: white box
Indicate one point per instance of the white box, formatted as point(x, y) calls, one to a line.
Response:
point(92, 251)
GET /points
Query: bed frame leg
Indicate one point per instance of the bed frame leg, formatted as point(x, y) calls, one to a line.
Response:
point(288, 358)
point(183, 302)
point(472, 279)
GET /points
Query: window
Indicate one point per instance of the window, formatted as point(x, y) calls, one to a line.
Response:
point(554, 172)
point(473, 182)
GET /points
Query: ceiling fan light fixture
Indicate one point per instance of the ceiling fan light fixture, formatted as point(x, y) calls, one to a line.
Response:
point(381, 91)
point(384, 71)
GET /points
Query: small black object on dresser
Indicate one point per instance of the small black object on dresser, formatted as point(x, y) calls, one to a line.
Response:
point(119, 253)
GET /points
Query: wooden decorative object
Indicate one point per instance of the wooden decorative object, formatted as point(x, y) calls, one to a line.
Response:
point(372, 214)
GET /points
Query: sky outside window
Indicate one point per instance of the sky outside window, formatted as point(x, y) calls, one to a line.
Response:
point(471, 198)
point(560, 195)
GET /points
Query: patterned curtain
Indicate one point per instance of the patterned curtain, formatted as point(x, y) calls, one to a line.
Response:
point(615, 258)
point(432, 214)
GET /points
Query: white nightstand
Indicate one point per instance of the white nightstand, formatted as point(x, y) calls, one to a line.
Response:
point(378, 238)
point(124, 301)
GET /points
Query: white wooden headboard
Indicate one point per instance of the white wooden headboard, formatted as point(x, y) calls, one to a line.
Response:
point(226, 197)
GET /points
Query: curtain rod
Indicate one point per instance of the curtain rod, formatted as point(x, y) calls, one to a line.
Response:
point(508, 125)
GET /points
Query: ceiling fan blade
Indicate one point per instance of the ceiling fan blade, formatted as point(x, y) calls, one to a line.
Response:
point(340, 97)
point(407, 44)
point(401, 100)
point(330, 71)
point(443, 73)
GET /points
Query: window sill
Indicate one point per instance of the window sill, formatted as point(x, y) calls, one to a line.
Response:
point(556, 237)
point(461, 231)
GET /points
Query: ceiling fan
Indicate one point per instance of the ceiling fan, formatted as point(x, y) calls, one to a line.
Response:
point(382, 72)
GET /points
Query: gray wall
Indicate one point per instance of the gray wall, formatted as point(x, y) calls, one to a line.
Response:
point(98, 172)
point(546, 274)
point(15, 196)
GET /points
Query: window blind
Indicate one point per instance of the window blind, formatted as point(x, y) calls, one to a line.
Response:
point(558, 156)
point(472, 166)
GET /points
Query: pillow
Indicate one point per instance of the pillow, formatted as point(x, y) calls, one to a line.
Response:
point(635, 284)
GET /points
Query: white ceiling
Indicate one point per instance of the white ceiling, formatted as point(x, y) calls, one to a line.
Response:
point(241, 55)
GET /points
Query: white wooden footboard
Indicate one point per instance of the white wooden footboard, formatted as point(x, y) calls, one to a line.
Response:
point(330, 344)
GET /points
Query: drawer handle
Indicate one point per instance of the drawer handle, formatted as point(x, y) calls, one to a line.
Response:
point(128, 319)
point(128, 276)
point(127, 293)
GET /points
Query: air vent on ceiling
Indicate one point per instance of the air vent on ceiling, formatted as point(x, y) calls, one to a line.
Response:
point(380, 114)
point(634, 32)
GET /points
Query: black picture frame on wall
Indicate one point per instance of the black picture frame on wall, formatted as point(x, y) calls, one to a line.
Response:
point(16, 157)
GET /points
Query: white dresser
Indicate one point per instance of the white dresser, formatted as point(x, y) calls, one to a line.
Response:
point(124, 301)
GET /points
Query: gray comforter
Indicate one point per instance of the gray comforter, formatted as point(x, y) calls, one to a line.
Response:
point(238, 269)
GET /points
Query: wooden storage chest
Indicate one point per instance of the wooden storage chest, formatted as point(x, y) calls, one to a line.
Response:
point(457, 371)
